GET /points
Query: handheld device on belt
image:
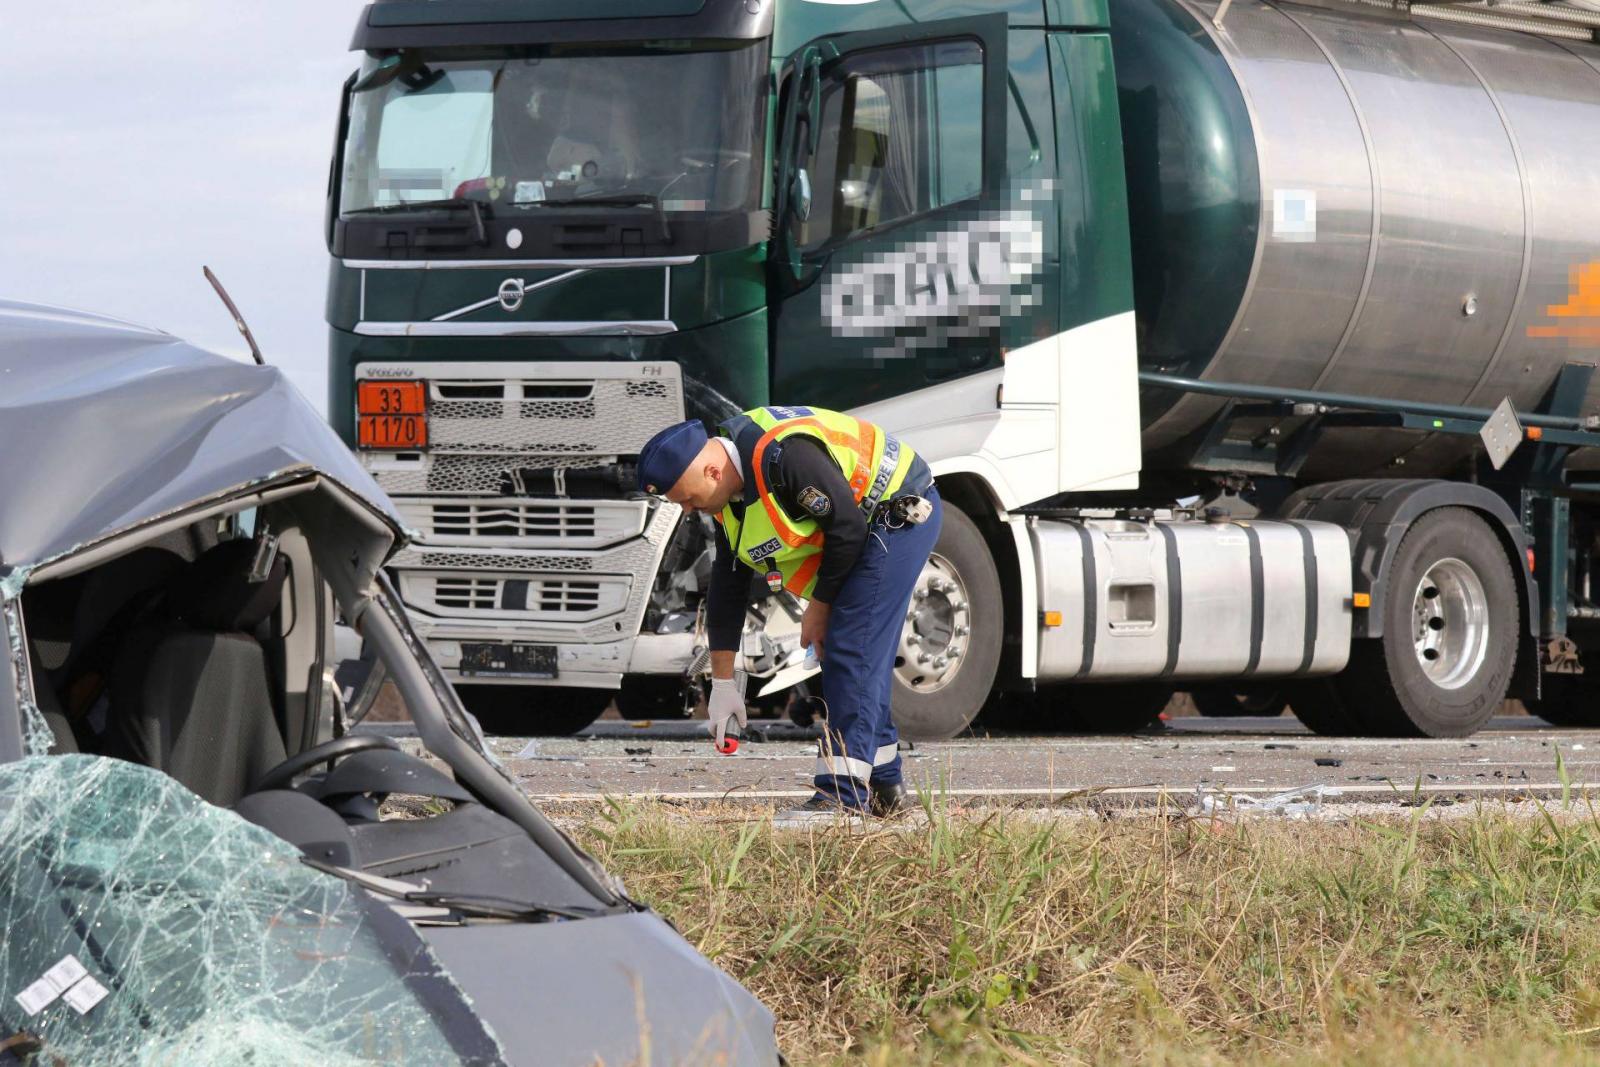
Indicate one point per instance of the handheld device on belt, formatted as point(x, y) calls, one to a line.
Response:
point(908, 510)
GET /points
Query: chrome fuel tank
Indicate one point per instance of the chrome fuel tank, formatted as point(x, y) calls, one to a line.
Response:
point(1189, 599)
point(1345, 199)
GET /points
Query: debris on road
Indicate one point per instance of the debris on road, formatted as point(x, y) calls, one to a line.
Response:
point(1301, 803)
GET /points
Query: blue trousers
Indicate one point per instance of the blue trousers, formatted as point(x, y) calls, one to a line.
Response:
point(860, 744)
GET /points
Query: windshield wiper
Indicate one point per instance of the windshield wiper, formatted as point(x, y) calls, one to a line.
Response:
point(645, 200)
point(479, 905)
point(478, 208)
point(494, 907)
point(618, 200)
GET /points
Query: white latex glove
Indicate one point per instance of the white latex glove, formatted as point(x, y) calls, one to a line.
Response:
point(725, 705)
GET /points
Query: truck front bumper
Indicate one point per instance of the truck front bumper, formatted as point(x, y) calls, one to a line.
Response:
point(578, 664)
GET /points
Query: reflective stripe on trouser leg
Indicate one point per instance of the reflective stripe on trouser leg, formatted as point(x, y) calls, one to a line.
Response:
point(843, 767)
point(864, 631)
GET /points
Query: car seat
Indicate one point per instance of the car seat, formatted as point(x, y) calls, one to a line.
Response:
point(191, 693)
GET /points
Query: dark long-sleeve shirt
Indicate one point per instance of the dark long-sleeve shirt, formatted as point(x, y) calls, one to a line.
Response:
point(807, 484)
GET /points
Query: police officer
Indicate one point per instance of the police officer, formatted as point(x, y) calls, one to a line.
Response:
point(834, 510)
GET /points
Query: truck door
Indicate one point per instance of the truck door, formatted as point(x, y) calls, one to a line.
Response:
point(893, 261)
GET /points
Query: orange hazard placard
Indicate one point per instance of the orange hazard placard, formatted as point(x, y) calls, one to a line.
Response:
point(393, 431)
point(392, 414)
point(391, 398)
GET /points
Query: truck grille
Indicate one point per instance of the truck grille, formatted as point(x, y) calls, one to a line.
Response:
point(422, 472)
point(510, 522)
point(540, 565)
point(466, 594)
point(598, 414)
point(592, 594)
point(536, 598)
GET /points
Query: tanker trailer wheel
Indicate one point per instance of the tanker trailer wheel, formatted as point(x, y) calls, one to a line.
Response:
point(1449, 640)
point(1317, 703)
point(533, 710)
point(1226, 701)
point(950, 647)
point(651, 696)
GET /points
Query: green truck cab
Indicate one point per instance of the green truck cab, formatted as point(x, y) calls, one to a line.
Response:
point(1175, 296)
point(564, 227)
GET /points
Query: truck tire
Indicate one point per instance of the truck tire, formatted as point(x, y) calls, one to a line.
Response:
point(1317, 703)
point(1227, 701)
point(1568, 700)
point(651, 696)
point(1449, 642)
point(957, 608)
point(1076, 708)
point(529, 710)
point(1118, 708)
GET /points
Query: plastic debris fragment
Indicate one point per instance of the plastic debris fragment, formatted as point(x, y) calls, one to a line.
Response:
point(1301, 803)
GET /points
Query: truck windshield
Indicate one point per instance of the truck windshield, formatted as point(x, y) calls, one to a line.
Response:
point(679, 131)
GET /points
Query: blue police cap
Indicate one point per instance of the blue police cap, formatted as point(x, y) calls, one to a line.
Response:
point(668, 454)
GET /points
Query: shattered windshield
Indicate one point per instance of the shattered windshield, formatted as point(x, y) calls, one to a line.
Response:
point(146, 926)
point(679, 130)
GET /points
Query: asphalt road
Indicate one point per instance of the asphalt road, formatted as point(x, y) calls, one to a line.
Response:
point(1515, 757)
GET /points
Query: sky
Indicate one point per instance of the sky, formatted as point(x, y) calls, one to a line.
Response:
point(140, 141)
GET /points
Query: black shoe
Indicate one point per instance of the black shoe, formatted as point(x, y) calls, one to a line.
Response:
point(891, 799)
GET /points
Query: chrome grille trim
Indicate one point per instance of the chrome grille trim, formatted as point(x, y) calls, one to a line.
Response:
point(519, 522)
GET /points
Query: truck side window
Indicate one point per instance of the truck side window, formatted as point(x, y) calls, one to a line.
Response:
point(901, 133)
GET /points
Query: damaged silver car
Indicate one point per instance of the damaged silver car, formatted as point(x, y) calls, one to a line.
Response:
point(201, 859)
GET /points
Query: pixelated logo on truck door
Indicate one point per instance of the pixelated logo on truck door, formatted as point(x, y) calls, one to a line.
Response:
point(964, 281)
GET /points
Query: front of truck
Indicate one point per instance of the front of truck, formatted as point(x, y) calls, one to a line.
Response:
point(548, 234)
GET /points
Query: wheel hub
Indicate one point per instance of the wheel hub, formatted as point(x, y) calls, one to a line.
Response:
point(1450, 623)
point(937, 625)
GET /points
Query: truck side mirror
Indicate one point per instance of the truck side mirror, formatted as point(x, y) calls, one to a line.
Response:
point(797, 145)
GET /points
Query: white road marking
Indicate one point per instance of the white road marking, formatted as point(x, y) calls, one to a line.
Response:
point(1398, 788)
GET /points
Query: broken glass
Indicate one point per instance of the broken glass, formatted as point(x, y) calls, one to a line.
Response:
point(37, 737)
point(143, 925)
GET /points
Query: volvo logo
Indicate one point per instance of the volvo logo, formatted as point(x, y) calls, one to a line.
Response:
point(511, 294)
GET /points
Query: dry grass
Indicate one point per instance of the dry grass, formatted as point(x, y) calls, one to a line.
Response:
point(1001, 938)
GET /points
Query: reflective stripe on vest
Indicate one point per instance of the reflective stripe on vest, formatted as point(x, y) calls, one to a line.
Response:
point(874, 464)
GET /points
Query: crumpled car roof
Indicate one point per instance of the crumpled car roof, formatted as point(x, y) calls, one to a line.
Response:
point(107, 425)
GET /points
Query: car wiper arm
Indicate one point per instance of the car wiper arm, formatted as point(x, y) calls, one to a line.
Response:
point(480, 905)
point(495, 907)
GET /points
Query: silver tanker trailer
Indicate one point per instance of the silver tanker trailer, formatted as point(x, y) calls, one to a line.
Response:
point(1251, 343)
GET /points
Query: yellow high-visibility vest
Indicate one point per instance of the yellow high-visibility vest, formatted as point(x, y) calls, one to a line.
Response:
point(767, 539)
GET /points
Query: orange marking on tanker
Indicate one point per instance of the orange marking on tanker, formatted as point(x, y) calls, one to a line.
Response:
point(1580, 315)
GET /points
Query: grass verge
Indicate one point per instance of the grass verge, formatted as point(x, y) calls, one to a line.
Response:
point(1000, 938)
